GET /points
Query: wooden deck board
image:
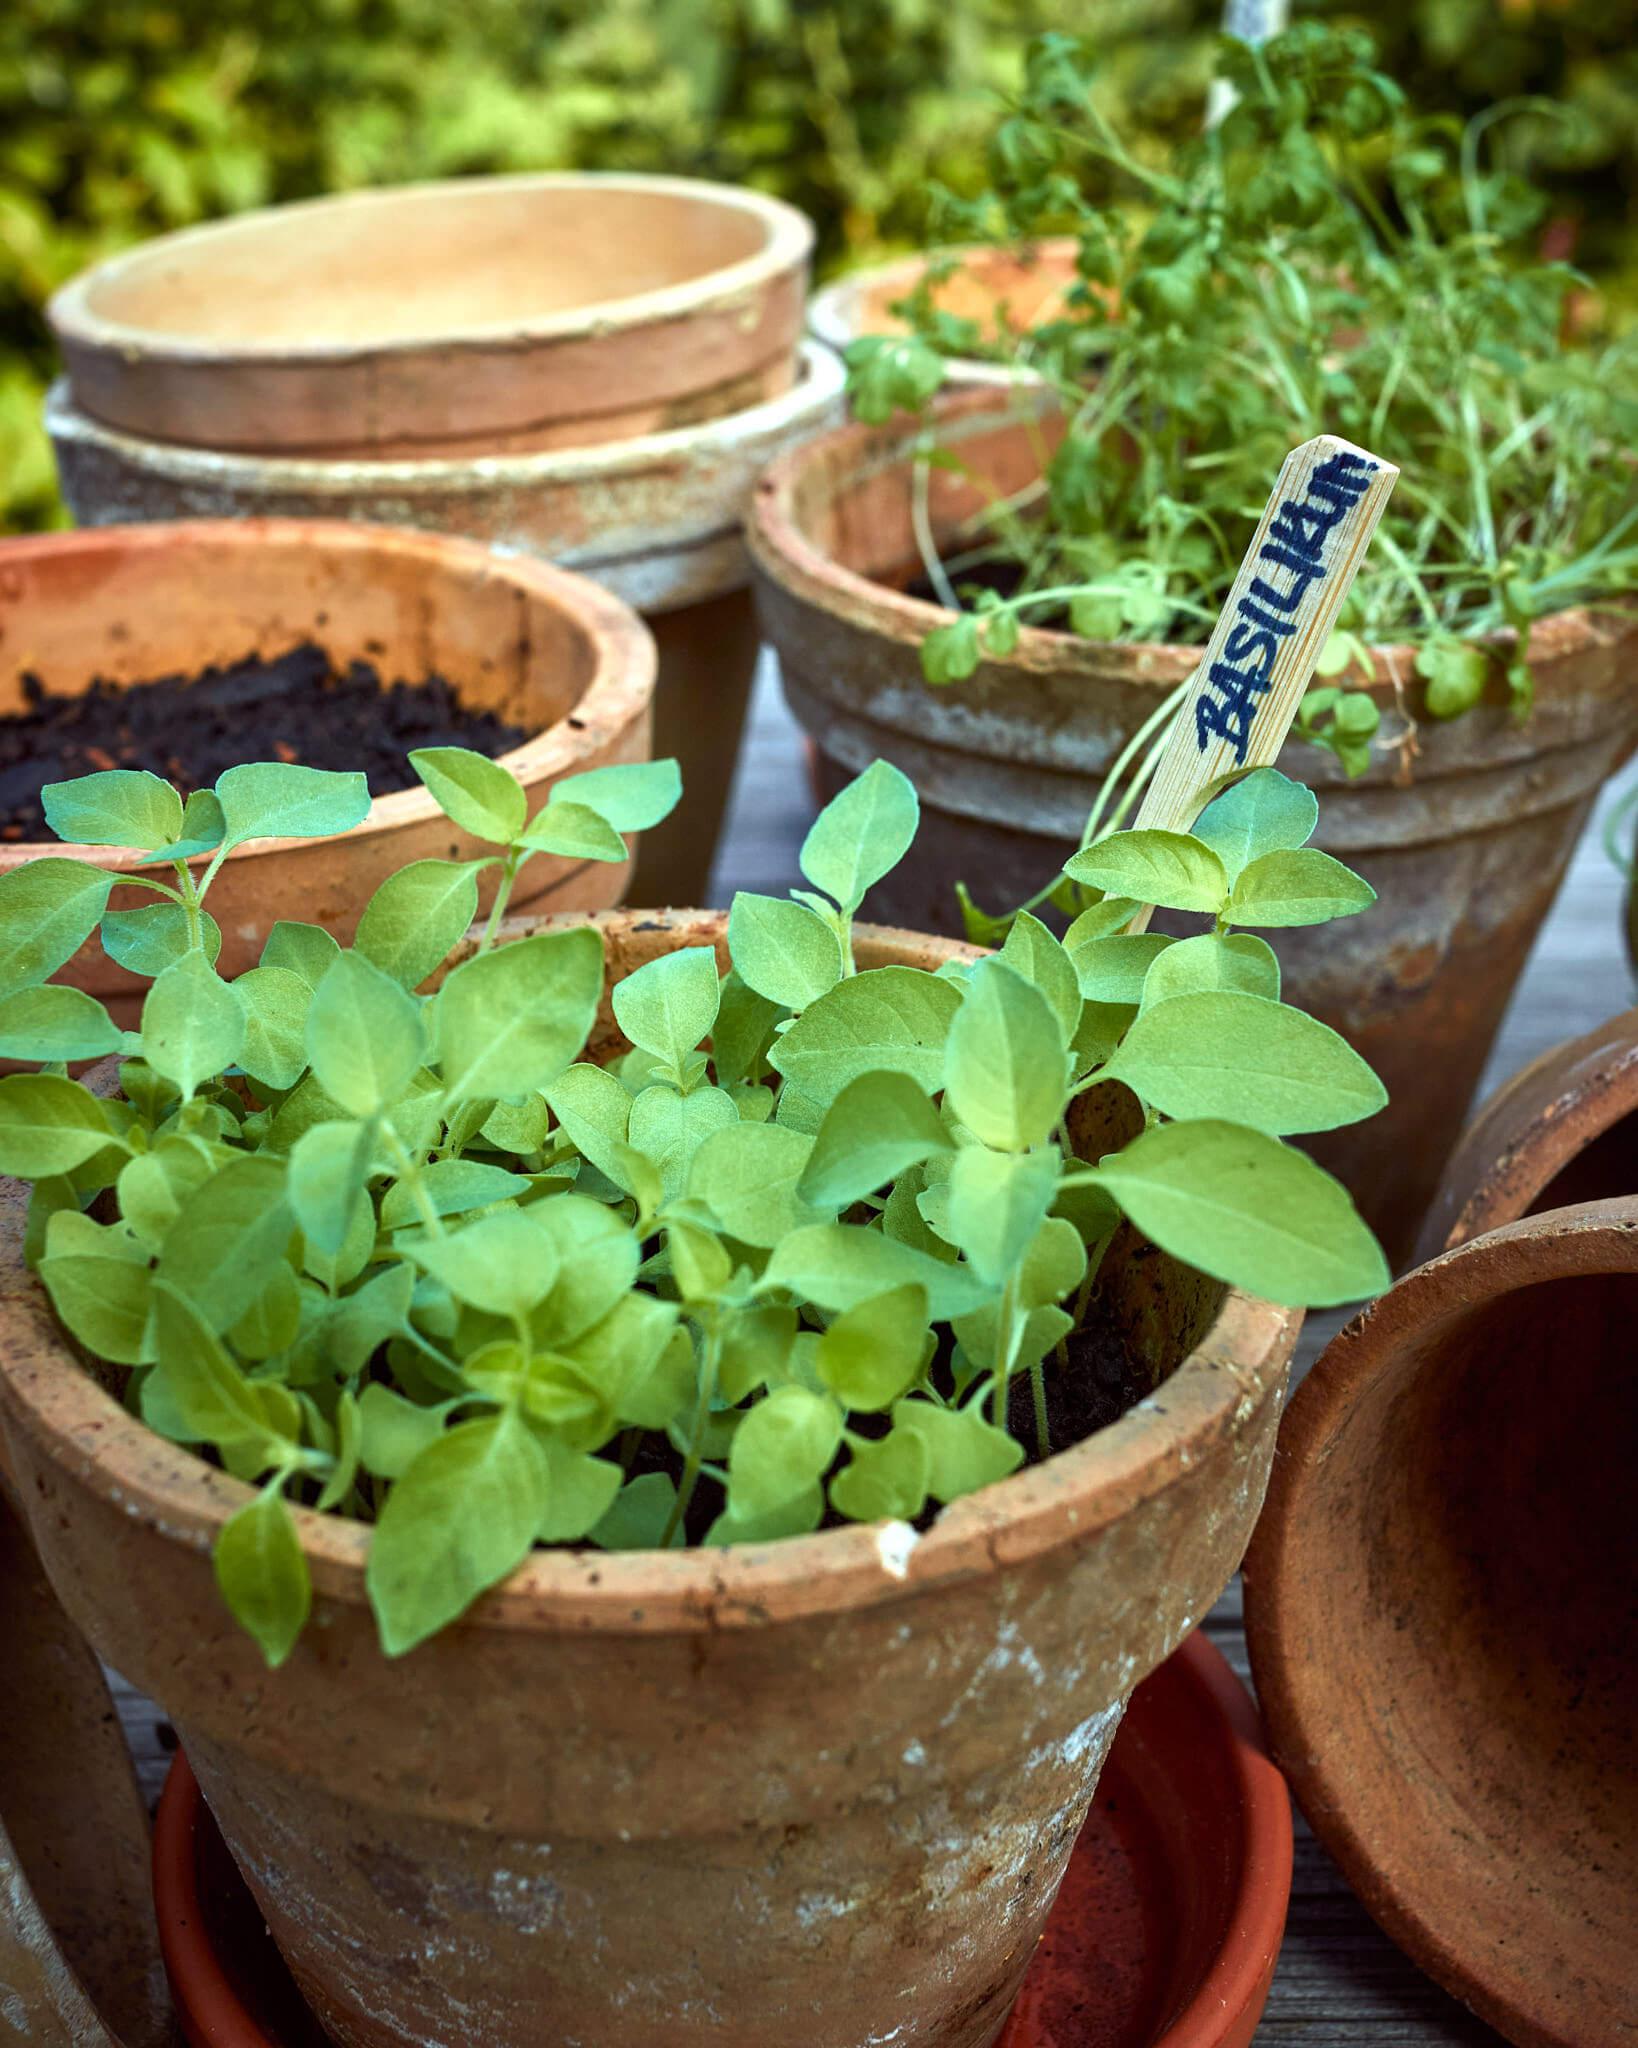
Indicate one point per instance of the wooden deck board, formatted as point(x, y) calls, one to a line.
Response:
point(1341, 1983)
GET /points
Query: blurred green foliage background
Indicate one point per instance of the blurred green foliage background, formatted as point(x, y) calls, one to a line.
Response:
point(121, 119)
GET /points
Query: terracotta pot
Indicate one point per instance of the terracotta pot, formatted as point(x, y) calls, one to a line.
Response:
point(1466, 855)
point(819, 1791)
point(1439, 1603)
point(467, 318)
point(550, 651)
point(1007, 291)
point(655, 520)
point(1560, 1131)
point(79, 1953)
point(1167, 1925)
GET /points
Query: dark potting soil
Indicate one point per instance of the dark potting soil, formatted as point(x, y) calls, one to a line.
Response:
point(297, 707)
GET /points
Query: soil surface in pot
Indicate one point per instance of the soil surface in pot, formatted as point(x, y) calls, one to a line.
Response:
point(298, 706)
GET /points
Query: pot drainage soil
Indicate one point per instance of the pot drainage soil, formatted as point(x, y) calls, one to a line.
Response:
point(299, 706)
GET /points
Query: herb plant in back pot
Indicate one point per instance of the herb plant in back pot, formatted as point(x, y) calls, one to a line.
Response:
point(759, 1317)
point(1321, 259)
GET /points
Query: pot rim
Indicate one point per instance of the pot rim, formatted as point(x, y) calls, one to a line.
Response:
point(788, 243)
point(1155, 1445)
point(784, 552)
point(622, 679)
point(1584, 1239)
point(832, 311)
point(817, 385)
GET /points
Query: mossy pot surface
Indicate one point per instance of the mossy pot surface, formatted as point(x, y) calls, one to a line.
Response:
point(819, 1791)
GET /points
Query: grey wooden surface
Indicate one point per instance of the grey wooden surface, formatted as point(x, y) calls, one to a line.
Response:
point(1341, 1983)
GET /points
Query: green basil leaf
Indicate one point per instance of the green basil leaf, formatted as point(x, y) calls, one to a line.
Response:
point(1006, 1067)
point(747, 1176)
point(595, 1112)
point(784, 1446)
point(597, 1261)
point(307, 950)
point(49, 1125)
point(275, 1002)
point(884, 1481)
point(451, 1186)
point(460, 1520)
point(1033, 952)
point(118, 807)
point(633, 796)
point(152, 1186)
point(743, 1032)
point(1300, 887)
point(365, 1036)
point(668, 1005)
point(416, 916)
point(579, 1493)
point(504, 1263)
point(783, 950)
point(229, 1234)
point(510, 1021)
point(964, 1451)
point(283, 800)
point(482, 797)
point(877, 1127)
point(262, 1575)
point(210, 1399)
point(1168, 868)
point(48, 909)
point(193, 1025)
point(52, 1022)
point(861, 835)
point(394, 1432)
point(838, 1265)
point(640, 1515)
point(1116, 969)
point(997, 1203)
point(1265, 812)
point(875, 1352)
point(669, 1129)
point(155, 936)
point(1215, 960)
point(328, 1169)
point(105, 1302)
point(273, 1320)
point(202, 829)
point(888, 1019)
point(1246, 1060)
point(574, 831)
point(798, 1516)
point(1246, 1209)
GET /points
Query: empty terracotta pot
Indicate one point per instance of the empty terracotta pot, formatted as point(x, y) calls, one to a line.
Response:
point(1440, 1602)
point(1466, 854)
point(657, 520)
point(1561, 1130)
point(820, 1791)
point(1007, 291)
point(550, 651)
point(476, 317)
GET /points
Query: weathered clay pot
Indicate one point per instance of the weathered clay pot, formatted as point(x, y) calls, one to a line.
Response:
point(656, 520)
point(79, 1952)
point(550, 650)
point(821, 1791)
point(1439, 1602)
point(1561, 1130)
point(1007, 291)
point(467, 318)
point(1466, 853)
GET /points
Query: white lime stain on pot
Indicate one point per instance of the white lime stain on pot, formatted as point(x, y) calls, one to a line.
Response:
point(895, 1543)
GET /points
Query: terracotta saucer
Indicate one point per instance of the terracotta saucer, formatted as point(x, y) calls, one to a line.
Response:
point(1165, 1934)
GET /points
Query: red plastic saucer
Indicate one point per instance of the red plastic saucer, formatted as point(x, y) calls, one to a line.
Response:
point(1165, 1933)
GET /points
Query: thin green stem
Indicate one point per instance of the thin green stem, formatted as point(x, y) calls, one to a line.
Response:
point(696, 1439)
point(515, 857)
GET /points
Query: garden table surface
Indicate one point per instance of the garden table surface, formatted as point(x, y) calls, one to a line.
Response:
point(1340, 1982)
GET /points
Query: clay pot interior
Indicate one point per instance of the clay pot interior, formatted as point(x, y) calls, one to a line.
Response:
point(196, 595)
point(495, 253)
point(1006, 291)
point(1441, 1612)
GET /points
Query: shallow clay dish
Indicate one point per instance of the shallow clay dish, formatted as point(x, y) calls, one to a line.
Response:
point(1165, 1933)
point(474, 316)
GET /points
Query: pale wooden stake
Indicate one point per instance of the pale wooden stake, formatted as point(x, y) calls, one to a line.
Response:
point(1300, 566)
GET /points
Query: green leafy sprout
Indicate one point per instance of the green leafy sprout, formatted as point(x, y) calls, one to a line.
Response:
point(1323, 260)
point(368, 1227)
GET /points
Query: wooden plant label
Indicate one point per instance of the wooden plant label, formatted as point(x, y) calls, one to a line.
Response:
point(1253, 675)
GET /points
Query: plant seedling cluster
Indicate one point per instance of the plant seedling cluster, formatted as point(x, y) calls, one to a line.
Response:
point(368, 1226)
point(1322, 258)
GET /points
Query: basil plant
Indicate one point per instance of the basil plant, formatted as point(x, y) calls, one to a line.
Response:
point(368, 1227)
